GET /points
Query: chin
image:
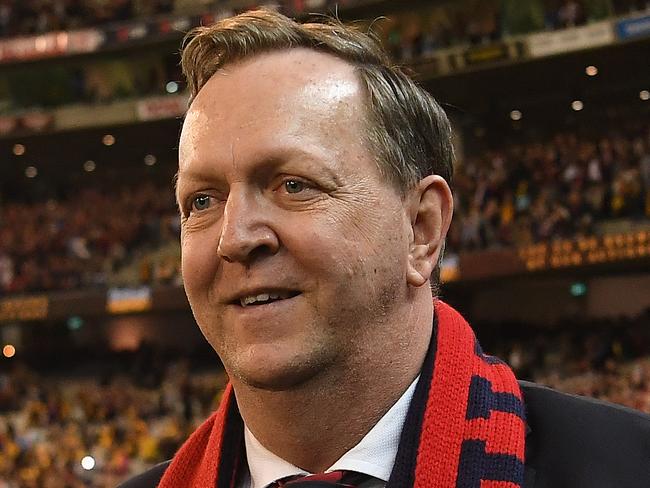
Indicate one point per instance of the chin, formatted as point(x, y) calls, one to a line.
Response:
point(278, 372)
point(276, 378)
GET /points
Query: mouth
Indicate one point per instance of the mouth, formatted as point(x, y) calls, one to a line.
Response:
point(264, 298)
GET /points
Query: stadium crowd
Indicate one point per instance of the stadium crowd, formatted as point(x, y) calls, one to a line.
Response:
point(526, 193)
point(560, 188)
point(28, 17)
point(25, 17)
point(420, 32)
point(435, 26)
point(605, 358)
point(48, 425)
point(409, 36)
point(129, 420)
point(64, 245)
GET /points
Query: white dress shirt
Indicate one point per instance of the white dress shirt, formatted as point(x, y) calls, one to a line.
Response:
point(374, 455)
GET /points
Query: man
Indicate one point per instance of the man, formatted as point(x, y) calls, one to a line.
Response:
point(313, 185)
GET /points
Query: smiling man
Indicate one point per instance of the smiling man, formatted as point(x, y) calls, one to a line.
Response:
point(311, 249)
point(313, 185)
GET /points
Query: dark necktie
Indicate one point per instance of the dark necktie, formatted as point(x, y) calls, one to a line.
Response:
point(340, 479)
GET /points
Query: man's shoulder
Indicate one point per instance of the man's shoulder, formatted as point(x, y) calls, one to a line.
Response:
point(584, 442)
point(148, 479)
point(545, 404)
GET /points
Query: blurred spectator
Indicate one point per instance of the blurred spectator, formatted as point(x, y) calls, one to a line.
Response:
point(570, 14)
point(598, 9)
point(522, 17)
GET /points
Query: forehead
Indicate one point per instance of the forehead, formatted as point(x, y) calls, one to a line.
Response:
point(298, 94)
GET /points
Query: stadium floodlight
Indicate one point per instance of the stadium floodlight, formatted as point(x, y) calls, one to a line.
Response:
point(577, 105)
point(516, 115)
point(108, 140)
point(88, 463)
point(9, 351)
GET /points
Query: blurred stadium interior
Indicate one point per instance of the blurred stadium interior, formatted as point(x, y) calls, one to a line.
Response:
point(104, 372)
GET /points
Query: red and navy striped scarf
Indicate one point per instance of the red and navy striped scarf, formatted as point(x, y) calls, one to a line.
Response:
point(465, 426)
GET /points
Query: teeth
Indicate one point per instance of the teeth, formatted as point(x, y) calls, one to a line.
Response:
point(263, 297)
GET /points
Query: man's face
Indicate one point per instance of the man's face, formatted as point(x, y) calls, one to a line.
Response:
point(294, 247)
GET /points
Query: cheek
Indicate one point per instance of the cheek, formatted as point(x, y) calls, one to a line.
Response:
point(344, 251)
point(318, 247)
point(198, 262)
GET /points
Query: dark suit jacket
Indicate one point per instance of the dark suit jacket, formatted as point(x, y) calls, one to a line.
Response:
point(571, 442)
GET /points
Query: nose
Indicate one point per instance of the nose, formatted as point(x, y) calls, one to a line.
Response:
point(245, 230)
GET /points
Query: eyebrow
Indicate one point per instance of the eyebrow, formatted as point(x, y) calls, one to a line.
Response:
point(273, 159)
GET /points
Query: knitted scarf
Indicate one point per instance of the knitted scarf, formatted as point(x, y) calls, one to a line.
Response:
point(464, 429)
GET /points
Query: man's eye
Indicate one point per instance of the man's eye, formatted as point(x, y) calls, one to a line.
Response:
point(201, 202)
point(294, 186)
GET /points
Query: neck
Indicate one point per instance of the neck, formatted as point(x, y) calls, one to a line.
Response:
point(313, 424)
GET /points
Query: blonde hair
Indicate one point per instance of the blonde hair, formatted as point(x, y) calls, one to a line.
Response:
point(406, 128)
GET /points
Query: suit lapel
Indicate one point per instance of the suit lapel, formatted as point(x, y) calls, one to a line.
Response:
point(529, 472)
point(529, 477)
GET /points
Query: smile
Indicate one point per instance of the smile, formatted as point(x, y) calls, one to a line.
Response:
point(265, 298)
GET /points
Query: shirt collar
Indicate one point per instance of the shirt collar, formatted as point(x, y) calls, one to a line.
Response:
point(374, 455)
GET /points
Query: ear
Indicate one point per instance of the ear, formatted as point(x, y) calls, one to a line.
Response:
point(431, 208)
